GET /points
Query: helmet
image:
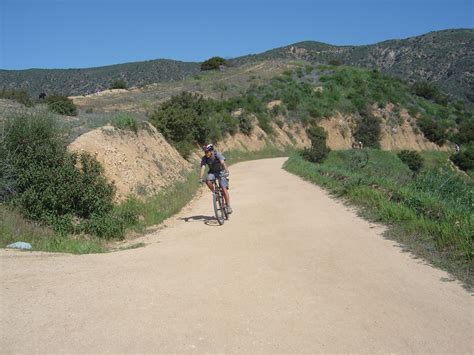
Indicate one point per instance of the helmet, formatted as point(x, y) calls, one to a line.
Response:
point(208, 148)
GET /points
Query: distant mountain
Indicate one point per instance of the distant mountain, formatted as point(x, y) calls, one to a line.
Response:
point(90, 80)
point(443, 57)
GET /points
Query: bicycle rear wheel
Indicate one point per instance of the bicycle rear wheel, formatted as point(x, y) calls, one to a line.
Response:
point(218, 206)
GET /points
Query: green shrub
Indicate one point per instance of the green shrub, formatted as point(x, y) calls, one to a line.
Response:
point(213, 63)
point(129, 211)
point(335, 62)
point(177, 117)
point(95, 193)
point(465, 132)
point(359, 101)
point(184, 148)
point(61, 105)
point(188, 118)
point(368, 131)
point(125, 121)
point(464, 159)
point(318, 151)
point(43, 180)
point(432, 130)
point(20, 96)
point(104, 226)
point(245, 124)
point(264, 122)
point(228, 123)
point(426, 90)
point(119, 84)
point(412, 159)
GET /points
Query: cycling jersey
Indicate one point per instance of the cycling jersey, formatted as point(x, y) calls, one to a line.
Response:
point(214, 162)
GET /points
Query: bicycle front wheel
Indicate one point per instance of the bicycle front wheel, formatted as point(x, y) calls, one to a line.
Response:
point(218, 207)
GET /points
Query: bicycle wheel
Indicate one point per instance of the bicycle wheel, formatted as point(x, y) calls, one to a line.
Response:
point(218, 208)
point(224, 207)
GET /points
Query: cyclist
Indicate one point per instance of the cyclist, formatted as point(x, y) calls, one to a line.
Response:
point(217, 170)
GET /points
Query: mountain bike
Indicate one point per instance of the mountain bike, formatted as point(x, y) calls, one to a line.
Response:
point(220, 207)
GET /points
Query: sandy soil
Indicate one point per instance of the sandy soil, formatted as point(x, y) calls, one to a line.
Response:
point(292, 271)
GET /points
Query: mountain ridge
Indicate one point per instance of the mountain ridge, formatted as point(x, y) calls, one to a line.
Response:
point(444, 57)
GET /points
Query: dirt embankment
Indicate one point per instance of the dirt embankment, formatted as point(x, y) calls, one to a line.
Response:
point(398, 131)
point(143, 163)
point(138, 163)
point(280, 138)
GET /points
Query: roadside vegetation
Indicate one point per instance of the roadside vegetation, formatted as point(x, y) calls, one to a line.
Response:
point(309, 94)
point(60, 201)
point(67, 200)
point(430, 212)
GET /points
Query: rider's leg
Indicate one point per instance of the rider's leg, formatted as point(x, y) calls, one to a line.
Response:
point(225, 192)
point(210, 185)
point(210, 181)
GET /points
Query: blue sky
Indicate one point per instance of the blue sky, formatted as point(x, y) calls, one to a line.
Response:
point(87, 33)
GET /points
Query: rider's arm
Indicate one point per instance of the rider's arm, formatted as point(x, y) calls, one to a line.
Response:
point(203, 168)
point(224, 166)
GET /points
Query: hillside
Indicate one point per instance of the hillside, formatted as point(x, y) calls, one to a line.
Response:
point(91, 80)
point(444, 57)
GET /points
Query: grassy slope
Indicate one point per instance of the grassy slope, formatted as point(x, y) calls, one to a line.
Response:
point(442, 57)
point(432, 214)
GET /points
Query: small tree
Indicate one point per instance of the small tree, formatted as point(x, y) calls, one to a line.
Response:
point(119, 84)
point(319, 150)
point(213, 63)
point(368, 131)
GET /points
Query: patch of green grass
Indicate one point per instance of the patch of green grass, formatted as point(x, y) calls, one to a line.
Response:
point(15, 228)
point(430, 213)
point(125, 121)
point(164, 204)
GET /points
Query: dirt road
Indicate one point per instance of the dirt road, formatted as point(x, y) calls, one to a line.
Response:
point(292, 271)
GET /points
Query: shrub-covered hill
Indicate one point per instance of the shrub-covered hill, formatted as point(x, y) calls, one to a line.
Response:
point(89, 80)
point(365, 101)
point(442, 57)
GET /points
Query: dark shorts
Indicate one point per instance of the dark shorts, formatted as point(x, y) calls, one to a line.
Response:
point(223, 180)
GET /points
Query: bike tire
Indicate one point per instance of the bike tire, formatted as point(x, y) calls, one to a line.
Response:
point(218, 210)
point(224, 208)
